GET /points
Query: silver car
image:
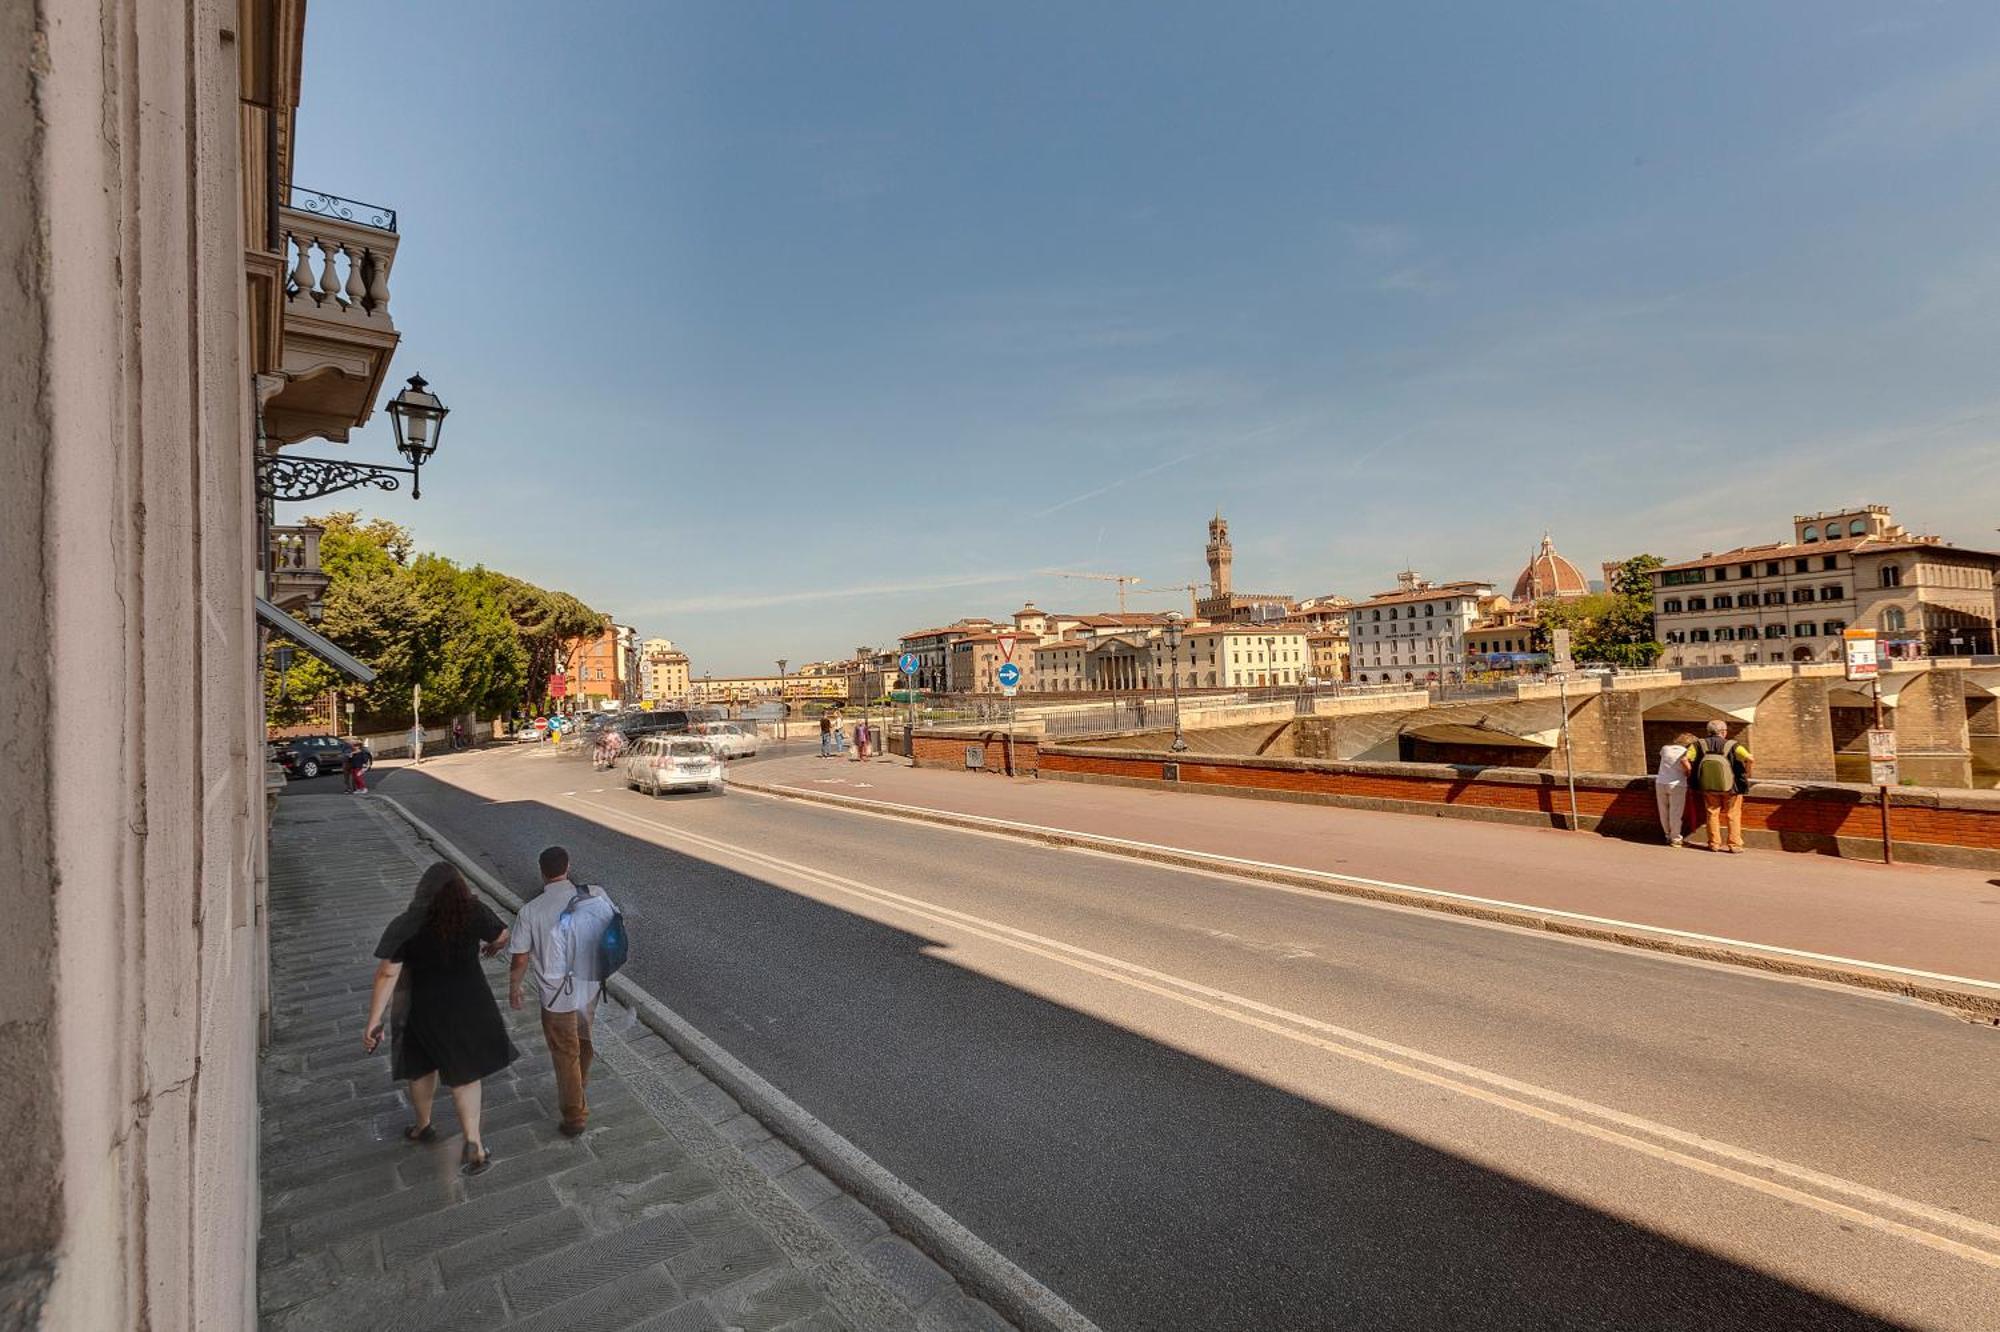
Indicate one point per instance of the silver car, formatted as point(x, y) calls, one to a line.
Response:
point(731, 739)
point(673, 763)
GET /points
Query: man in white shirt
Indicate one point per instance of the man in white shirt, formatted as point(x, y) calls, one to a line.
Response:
point(559, 940)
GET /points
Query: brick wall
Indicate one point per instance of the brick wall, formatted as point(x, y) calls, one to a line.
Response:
point(1935, 827)
point(948, 751)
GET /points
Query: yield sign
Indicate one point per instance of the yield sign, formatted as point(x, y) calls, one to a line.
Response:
point(1006, 647)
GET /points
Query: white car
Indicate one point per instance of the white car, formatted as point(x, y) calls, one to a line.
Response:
point(731, 739)
point(673, 763)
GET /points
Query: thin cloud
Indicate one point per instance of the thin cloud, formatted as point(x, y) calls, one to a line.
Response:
point(734, 601)
point(1221, 446)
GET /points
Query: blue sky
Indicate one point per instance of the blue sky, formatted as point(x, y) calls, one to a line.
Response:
point(778, 329)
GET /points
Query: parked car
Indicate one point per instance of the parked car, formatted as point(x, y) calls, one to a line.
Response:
point(661, 721)
point(731, 739)
point(311, 755)
point(673, 763)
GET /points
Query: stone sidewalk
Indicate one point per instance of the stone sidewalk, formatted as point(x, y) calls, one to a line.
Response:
point(675, 1212)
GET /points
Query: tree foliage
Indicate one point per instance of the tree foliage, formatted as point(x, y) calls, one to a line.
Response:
point(474, 639)
point(1614, 627)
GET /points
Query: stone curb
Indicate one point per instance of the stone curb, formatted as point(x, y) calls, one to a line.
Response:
point(1972, 1005)
point(986, 1273)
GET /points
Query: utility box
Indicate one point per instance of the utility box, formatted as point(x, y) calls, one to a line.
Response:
point(975, 757)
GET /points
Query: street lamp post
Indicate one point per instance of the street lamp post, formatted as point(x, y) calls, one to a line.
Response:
point(1174, 674)
point(784, 708)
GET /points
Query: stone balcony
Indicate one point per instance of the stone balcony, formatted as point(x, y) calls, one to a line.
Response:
point(336, 336)
point(296, 578)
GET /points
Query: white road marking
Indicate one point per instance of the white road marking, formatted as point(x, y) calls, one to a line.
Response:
point(1441, 894)
point(1736, 1165)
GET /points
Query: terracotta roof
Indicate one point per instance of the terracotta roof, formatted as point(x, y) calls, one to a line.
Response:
point(1549, 575)
point(1436, 592)
point(1780, 550)
point(971, 628)
point(1055, 643)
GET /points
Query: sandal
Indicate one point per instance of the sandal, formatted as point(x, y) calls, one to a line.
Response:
point(421, 1133)
point(471, 1163)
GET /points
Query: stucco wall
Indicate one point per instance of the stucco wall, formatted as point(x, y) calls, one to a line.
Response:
point(133, 832)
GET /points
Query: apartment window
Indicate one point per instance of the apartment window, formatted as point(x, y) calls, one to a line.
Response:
point(1672, 605)
point(1834, 628)
point(1376, 614)
point(1829, 561)
point(1698, 635)
point(1892, 576)
point(1830, 592)
point(1774, 597)
point(1746, 631)
point(1774, 631)
point(1697, 603)
point(1802, 565)
point(1429, 610)
point(1806, 629)
point(1801, 594)
point(1892, 620)
point(1724, 601)
point(1725, 634)
point(1772, 568)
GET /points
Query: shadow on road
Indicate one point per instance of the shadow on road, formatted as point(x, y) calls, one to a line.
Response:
point(1152, 1188)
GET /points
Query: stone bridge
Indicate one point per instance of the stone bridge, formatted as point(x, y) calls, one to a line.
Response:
point(1799, 719)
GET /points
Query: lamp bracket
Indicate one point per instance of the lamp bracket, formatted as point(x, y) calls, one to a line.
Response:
point(286, 477)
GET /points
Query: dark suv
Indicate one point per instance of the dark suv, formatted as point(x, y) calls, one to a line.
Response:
point(665, 721)
point(311, 755)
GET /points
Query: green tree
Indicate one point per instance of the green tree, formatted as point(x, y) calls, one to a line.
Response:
point(1614, 627)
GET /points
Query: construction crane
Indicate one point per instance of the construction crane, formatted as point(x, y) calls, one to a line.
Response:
point(1192, 589)
point(1120, 579)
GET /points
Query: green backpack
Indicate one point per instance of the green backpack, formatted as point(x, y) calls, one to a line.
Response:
point(1713, 771)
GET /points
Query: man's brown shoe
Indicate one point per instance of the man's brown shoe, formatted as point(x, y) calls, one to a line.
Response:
point(572, 1130)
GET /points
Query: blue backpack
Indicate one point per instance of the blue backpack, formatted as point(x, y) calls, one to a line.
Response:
point(614, 946)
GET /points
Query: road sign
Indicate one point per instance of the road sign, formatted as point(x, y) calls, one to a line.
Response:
point(558, 685)
point(1006, 647)
point(1009, 676)
point(1862, 663)
point(1882, 758)
point(907, 664)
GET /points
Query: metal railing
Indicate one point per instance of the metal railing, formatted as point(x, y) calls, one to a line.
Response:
point(347, 210)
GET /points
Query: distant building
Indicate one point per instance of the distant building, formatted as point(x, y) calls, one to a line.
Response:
point(976, 660)
point(1793, 600)
point(933, 650)
point(1137, 659)
point(1415, 632)
point(663, 671)
point(604, 670)
point(729, 689)
point(1549, 577)
point(1225, 605)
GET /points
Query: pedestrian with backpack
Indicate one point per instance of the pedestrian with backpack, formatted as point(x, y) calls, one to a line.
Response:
point(573, 938)
point(1720, 769)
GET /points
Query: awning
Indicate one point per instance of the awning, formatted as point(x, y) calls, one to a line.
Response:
point(314, 642)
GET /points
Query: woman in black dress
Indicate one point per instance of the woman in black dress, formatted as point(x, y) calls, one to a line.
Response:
point(447, 1026)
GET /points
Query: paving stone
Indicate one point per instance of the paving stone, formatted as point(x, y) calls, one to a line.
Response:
point(766, 1301)
point(360, 1256)
point(772, 1157)
point(631, 1133)
point(422, 1235)
point(740, 1252)
point(712, 1103)
point(372, 1214)
point(610, 1307)
point(742, 1130)
point(559, 1276)
point(633, 1165)
point(904, 1269)
point(506, 1172)
point(693, 1316)
point(953, 1311)
point(295, 1281)
point(807, 1187)
point(366, 1181)
point(358, 1303)
point(850, 1221)
point(824, 1321)
point(497, 1250)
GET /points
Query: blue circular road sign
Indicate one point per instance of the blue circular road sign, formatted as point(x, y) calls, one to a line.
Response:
point(1009, 674)
point(907, 663)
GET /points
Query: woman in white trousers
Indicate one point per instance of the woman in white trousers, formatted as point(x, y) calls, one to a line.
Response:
point(1670, 786)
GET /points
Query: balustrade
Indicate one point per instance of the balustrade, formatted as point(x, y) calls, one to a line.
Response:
point(338, 255)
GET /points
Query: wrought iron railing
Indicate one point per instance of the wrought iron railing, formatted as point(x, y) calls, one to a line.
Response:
point(348, 210)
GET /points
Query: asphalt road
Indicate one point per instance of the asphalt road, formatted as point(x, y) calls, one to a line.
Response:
point(1185, 1101)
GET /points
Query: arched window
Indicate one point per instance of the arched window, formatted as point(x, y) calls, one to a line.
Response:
point(1857, 528)
point(1892, 575)
point(1810, 534)
point(1892, 619)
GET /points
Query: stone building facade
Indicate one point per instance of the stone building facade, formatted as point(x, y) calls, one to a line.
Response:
point(1415, 632)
